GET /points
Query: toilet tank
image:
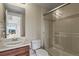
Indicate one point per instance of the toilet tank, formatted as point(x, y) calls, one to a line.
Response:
point(36, 44)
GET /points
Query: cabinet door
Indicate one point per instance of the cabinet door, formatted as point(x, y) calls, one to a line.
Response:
point(22, 51)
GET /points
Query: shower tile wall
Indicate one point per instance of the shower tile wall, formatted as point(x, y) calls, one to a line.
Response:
point(66, 28)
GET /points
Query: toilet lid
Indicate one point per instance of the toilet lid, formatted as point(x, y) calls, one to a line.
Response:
point(41, 52)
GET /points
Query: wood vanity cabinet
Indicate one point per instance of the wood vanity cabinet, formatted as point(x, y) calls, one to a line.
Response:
point(22, 51)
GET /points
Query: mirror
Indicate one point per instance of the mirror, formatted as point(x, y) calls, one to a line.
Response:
point(13, 24)
point(15, 21)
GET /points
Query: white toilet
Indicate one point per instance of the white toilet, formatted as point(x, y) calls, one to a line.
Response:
point(36, 49)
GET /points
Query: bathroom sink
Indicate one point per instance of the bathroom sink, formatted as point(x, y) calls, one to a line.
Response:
point(11, 42)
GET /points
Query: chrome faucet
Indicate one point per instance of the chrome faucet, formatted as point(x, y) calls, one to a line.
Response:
point(14, 39)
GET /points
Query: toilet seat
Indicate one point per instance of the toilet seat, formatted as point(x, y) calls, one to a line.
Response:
point(41, 52)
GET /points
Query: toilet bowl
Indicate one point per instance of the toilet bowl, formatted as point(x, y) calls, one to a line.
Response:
point(41, 52)
point(36, 49)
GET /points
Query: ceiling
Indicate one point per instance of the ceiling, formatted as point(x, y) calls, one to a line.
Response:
point(13, 8)
point(49, 6)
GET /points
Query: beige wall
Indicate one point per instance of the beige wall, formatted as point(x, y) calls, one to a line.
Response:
point(34, 18)
point(2, 27)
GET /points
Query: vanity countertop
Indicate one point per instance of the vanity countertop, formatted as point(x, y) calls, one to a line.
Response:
point(13, 47)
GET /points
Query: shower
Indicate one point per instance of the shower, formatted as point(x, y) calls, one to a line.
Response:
point(62, 30)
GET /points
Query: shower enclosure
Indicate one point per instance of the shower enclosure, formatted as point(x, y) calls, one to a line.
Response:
point(63, 30)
